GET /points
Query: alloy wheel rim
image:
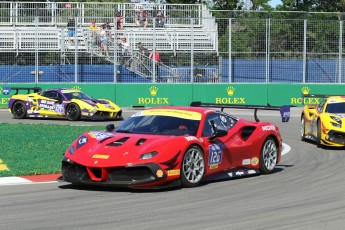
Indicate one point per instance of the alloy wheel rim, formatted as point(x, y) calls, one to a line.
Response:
point(193, 166)
point(270, 154)
point(302, 127)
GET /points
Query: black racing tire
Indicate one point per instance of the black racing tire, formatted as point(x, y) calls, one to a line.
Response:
point(302, 129)
point(73, 112)
point(19, 110)
point(318, 134)
point(193, 167)
point(268, 156)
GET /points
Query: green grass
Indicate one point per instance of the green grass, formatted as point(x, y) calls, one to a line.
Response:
point(28, 149)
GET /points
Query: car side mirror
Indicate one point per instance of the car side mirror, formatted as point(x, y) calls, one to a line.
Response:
point(218, 133)
point(110, 127)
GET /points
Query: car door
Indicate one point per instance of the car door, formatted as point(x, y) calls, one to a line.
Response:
point(51, 104)
point(314, 118)
point(222, 154)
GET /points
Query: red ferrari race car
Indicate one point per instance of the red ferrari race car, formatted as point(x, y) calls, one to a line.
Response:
point(175, 146)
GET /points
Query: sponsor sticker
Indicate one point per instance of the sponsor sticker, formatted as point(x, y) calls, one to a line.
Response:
point(159, 173)
point(268, 128)
point(100, 135)
point(214, 166)
point(333, 101)
point(254, 161)
point(191, 138)
point(246, 162)
point(59, 108)
point(6, 90)
point(100, 156)
point(171, 112)
point(175, 172)
point(82, 141)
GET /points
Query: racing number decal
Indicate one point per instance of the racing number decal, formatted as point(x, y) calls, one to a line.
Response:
point(215, 156)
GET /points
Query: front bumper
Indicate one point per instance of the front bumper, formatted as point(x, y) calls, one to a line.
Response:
point(103, 115)
point(126, 176)
point(335, 138)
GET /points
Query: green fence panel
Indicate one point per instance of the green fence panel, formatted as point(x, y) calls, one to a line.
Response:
point(150, 95)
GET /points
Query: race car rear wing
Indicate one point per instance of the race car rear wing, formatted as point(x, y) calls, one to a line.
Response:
point(284, 110)
point(319, 96)
point(29, 89)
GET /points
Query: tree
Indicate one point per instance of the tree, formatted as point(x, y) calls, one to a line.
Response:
point(313, 5)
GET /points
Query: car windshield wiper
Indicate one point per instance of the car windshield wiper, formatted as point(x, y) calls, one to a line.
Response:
point(123, 131)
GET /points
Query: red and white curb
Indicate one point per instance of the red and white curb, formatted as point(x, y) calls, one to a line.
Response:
point(13, 180)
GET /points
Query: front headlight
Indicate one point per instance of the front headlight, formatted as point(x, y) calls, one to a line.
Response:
point(109, 106)
point(337, 120)
point(336, 125)
point(71, 149)
point(148, 155)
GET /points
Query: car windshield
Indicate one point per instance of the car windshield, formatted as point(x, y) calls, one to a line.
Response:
point(76, 95)
point(159, 125)
point(335, 107)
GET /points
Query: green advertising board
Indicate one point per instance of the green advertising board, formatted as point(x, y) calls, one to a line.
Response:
point(150, 95)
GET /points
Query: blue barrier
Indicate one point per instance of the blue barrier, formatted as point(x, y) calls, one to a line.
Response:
point(245, 71)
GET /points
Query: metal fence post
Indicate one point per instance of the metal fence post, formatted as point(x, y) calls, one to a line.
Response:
point(230, 50)
point(192, 53)
point(36, 50)
point(305, 47)
point(115, 51)
point(268, 32)
point(340, 64)
point(76, 51)
point(153, 57)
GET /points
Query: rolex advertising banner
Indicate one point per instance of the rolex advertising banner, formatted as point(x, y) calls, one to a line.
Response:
point(291, 94)
point(250, 94)
point(150, 95)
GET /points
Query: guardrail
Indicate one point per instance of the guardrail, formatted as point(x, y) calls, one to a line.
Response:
point(51, 38)
point(56, 13)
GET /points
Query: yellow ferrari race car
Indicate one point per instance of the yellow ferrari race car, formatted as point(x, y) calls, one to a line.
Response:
point(324, 122)
point(61, 103)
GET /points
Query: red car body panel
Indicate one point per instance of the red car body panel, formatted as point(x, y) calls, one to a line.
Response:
point(100, 152)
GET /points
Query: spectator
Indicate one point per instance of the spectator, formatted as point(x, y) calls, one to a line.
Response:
point(160, 19)
point(156, 60)
point(155, 57)
point(118, 20)
point(124, 50)
point(108, 30)
point(107, 26)
point(93, 31)
point(144, 52)
point(141, 18)
point(71, 26)
point(104, 41)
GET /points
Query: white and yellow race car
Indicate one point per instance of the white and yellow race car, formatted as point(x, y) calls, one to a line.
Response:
point(324, 122)
point(61, 103)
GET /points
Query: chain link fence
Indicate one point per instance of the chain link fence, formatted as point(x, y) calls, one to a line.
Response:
point(195, 44)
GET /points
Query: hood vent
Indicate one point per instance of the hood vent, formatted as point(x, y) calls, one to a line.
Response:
point(118, 142)
point(140, 142)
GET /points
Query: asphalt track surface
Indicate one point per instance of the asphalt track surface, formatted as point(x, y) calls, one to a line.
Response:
point(306, 191)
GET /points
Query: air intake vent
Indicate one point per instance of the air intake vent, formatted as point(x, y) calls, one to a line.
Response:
point(118, 142)
point(246, 132)
point(140, 142)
